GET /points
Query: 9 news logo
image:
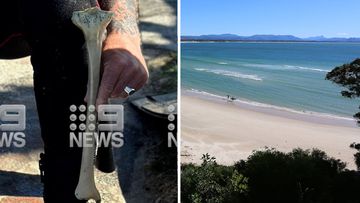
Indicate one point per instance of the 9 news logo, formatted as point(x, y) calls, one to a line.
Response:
point(12, 123)
point(106, 129)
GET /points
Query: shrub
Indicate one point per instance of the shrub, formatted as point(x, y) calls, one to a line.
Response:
point(211, 182)
point(357, 154)
point(300, 176)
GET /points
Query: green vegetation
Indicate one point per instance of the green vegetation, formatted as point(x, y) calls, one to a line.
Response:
point(299, 176)
point(357, 154)
point(348, 76)
point(211, 182)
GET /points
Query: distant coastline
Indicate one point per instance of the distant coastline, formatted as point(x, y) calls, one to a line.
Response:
point(262, 41)
point(264, 38)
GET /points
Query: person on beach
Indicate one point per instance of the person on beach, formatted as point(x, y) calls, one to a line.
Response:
point(44, 30)
point(230, 98)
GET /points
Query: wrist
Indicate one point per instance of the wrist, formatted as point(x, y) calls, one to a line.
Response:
point(116, 40)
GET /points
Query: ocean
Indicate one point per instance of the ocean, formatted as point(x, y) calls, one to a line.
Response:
point(288, 76)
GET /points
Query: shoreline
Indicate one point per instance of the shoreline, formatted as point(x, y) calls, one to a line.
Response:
point(307, 116)
point(231, 132)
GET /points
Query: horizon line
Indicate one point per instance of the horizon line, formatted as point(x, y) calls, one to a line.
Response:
point(346, 37)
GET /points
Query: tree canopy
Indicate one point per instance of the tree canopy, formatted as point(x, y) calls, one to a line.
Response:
point(348, 76)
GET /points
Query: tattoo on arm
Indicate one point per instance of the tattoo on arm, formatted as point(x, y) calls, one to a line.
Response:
point(125, 20)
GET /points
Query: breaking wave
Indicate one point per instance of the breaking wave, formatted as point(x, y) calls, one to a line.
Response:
point(231, 74)
point(306, 68)
point(279, 67)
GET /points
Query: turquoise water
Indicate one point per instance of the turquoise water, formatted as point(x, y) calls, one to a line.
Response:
point(286, 75)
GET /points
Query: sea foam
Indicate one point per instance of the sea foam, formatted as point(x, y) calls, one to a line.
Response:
point(231, 74)
point(284, 67)
point(306, 68)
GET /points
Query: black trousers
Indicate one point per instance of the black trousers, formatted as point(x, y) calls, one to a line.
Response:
point(58, 57)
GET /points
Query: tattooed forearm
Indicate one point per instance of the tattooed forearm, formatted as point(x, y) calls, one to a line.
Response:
point(125, 20)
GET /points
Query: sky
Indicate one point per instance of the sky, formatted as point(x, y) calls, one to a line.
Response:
point(301, 18)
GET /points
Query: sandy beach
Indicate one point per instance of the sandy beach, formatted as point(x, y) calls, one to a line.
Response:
point(231, 132)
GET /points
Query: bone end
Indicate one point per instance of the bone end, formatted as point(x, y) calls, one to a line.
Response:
point(86, 192)
point(92, 19)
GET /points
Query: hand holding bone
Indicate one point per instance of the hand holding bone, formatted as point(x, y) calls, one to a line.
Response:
point(123, 65)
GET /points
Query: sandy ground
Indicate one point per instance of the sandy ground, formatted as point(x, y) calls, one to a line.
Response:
point(231, 133)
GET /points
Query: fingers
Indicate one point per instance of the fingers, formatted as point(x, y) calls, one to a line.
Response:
point(120, 86)
point(133, 79)
point(121, 69)
point(108, 81)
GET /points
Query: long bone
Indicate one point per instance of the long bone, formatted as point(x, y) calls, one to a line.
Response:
point(93, 23)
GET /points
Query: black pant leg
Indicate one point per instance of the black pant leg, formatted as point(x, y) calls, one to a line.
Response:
point(60, 79)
